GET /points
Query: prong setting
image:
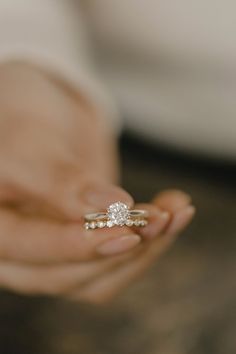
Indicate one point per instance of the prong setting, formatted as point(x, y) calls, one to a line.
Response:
point(118, 214)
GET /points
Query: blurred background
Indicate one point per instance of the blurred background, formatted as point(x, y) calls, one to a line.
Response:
point(171, 70)
point(185, 305)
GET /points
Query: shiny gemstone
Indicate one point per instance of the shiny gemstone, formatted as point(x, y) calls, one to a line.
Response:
point(118, 213)
point(129, 222)
point(110, 223)
point(137, 222)
point(101, 224)
point(86, 225)
point(93, 225)
point(143, 222)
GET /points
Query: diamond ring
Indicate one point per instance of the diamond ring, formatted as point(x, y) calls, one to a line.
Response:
point(117, 214)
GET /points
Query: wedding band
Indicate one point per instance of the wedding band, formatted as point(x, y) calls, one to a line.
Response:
point(117, 214)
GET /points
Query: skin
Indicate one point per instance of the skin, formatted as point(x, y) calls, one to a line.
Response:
point(58, 161)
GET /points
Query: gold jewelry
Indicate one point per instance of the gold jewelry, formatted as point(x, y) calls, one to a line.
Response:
point(117, 214)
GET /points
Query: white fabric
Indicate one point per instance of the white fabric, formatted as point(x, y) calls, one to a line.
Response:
point(169, 65)
point(51, 33)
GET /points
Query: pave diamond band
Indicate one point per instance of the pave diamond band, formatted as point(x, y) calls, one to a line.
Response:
point(118, 214)
point(101, 224)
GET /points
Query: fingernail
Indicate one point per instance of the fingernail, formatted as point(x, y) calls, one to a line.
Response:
point(101, 196)
point(190, 211)
point(182, 219)
point(155, 227)
point(183, 195)
point(119, 245)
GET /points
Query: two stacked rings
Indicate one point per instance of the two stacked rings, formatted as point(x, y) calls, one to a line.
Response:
point(117, 214)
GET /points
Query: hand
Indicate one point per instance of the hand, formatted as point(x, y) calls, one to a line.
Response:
point(53, 145)
point(170, 213)
point(56, 164)
point(101, 279)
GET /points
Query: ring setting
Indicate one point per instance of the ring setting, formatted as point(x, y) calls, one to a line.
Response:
point(117, 214)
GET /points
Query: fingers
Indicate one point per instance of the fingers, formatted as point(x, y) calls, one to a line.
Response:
point(84, 195)
point(42, 241)
point(61, 190)
point(181, 220)
point(55, 279)
point(56, 181)
point(119, 245)
point(180, 213)
point(157, 221)
point(170, 212)
point(96, 196)
point(177, 203)
point(109, 285)
point(172, 200)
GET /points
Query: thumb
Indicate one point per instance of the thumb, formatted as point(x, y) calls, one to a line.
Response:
point(76, 197)
point(85, 196)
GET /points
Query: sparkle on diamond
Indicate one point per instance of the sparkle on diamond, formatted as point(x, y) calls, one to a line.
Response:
point(118, 213)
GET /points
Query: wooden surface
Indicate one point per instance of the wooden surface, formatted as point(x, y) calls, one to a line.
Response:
point(185, 305)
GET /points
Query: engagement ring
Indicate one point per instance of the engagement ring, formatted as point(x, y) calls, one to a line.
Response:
point(117, 214)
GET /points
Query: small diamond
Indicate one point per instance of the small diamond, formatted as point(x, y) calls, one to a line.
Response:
point(118, 213)
point(110, 223)
point(143, 222)
point(86, 225)
point(93, 225)
point(129, 222)
point(101, 224)
point(137, 222)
